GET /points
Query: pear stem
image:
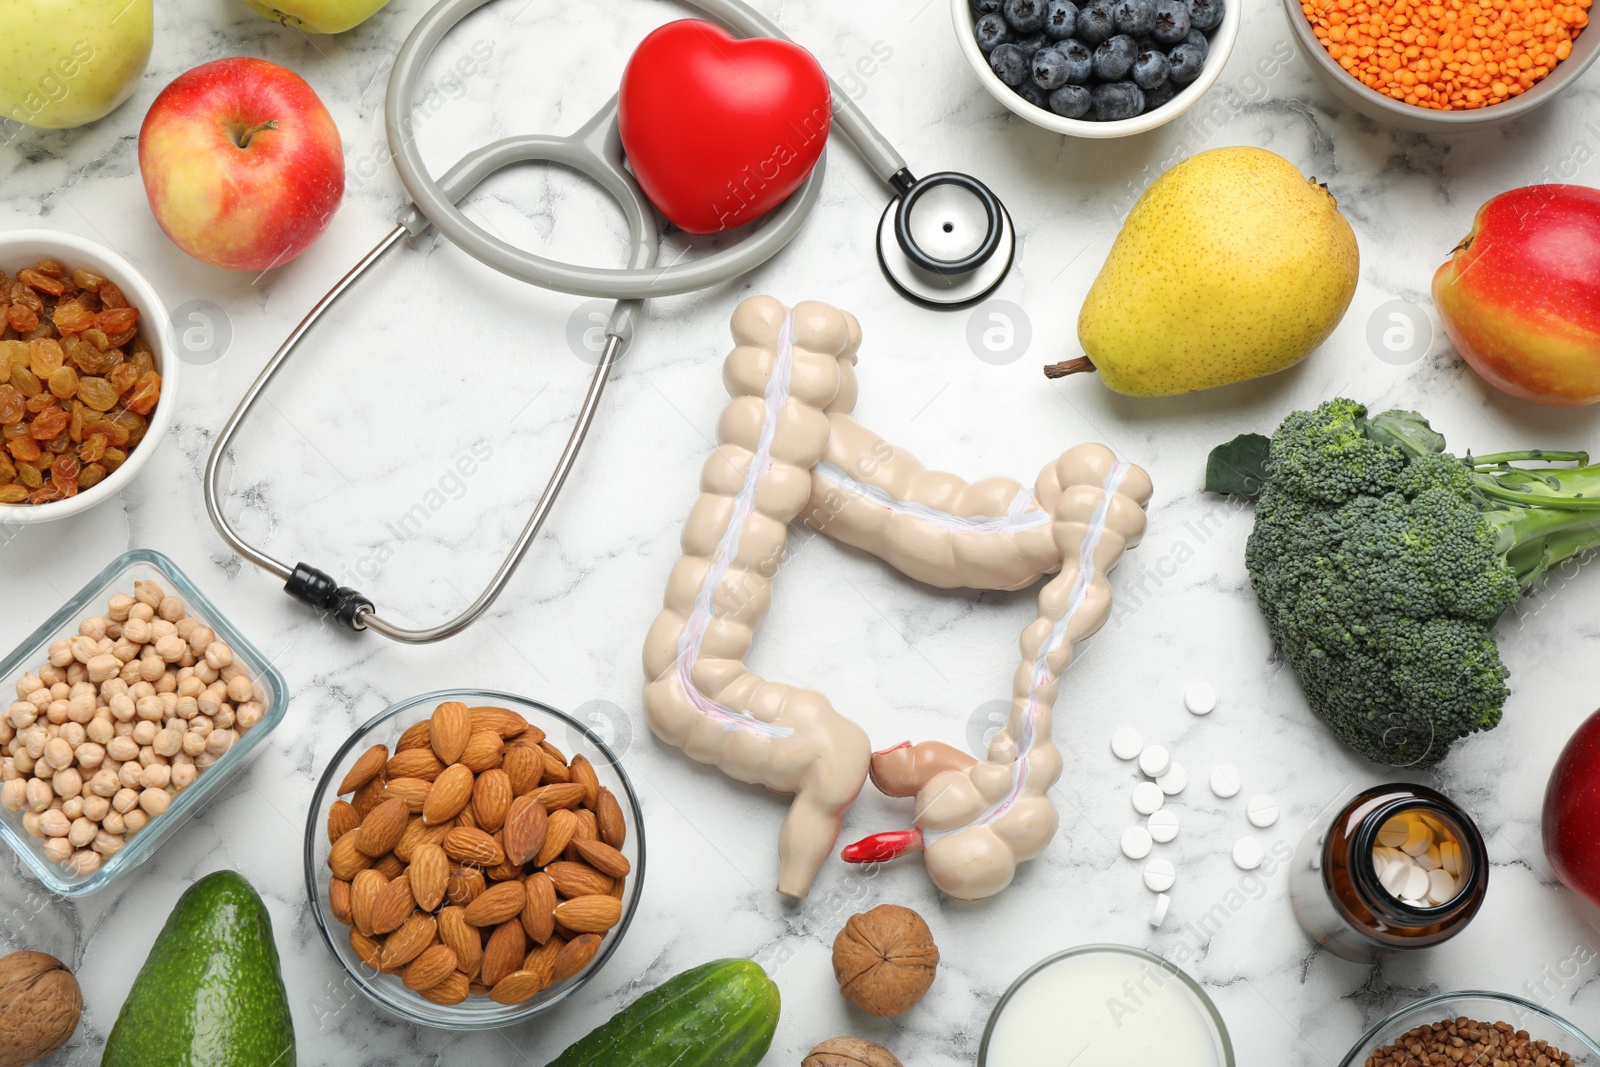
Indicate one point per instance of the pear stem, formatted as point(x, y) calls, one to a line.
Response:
point(1081, 365)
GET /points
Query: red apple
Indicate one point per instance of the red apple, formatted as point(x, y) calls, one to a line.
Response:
point(1571, 820)
point(1519, 297)
point(242, 163)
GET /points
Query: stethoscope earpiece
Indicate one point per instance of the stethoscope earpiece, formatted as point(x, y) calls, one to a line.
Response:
point(946, 240)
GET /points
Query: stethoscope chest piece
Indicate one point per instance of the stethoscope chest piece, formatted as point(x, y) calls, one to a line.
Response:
point(946, 241)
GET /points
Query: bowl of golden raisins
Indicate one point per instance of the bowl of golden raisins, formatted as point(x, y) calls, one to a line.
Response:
point(88, 369)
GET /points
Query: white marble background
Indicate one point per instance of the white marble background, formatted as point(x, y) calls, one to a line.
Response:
point(436, 354)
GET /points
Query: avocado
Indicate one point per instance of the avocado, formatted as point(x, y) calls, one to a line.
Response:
point(211, 993)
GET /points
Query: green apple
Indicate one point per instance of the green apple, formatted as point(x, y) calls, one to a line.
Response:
point(318, 16)
point(64, 63)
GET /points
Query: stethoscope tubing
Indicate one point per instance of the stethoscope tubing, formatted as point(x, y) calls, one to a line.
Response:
point(595, 151)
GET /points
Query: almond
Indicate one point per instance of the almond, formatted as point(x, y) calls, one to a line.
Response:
point(558, 834)
point(450, 727)
point(524, 829)
point(450, 793)
point(618, 886)
point(416, 736)
point(538, 911)
point(466, 845)
point(551, 750)
point(364, 891)
point(417, 834)
point(365, 769)
point(502, 721)
point(501, 901)
point(574, 956)
point(555, 767)
point(491, 797)
point(559, 795)
point(408, 942)
point(608, 818)
point(516, 987)
point(603, 858)
point(525, 766)
point(367, 949)
point(582, 772)
point(339, 900)
point(504, 871)
point(467, 941)
point(586, 829)
point(453, 990)
point(390, 866)
point(466, 885)
point(430, 875)
point(503, 953)
point(342, 818)
point(464, 818)
point(345, 859)
point(478, 987)
point(393, 906)
point(429, 969)
point(415, 763)
point(577, 879)
point(589, 915)
point(483, 750)
point(529, 738)
point(381, 828)
point(369, 796)
point(414, 791)
point(542, 960)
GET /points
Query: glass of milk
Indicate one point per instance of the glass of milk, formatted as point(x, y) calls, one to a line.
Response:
point(1105, 1006)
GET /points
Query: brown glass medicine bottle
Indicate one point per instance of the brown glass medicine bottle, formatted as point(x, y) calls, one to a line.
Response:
point(1337, 892)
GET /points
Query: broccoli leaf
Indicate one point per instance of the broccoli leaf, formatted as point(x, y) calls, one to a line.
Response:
point(1239, 468)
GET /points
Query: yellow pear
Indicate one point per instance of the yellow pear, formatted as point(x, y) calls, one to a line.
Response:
point(1231, 266)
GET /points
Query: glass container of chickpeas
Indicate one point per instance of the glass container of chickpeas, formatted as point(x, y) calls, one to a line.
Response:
point(122, 715)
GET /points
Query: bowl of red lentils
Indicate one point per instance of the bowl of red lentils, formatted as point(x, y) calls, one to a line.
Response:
point(1450, 65)
point(88, 371)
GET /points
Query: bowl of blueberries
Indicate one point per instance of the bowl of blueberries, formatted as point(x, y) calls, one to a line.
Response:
point(1097, 68)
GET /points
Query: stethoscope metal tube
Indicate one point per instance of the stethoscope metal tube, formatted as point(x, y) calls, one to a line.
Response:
point(596, 152)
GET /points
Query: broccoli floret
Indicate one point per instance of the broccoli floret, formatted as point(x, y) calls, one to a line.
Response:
point(1381, 564)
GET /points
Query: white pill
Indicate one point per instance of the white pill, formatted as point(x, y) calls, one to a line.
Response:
point(1158, 910)
point(1394, 832)
point(1174, 781)
point(1395, 876)
point(1379, 864)
point(1148, 798)
point(1225, 781)
point(1418, 837)
point(1416, 885)
point(1136, 842)
point(1262, 811)
point(1126, 743)
point(1248, 853)
point(1163, 825)
point(1430, 860)
point(1441, 886)
point(1200, 698)
point(1450, 857)
point(1154, 761)
point(1159, 875)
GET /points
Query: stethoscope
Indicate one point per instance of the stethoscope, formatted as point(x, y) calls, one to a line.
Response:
point(944, 241)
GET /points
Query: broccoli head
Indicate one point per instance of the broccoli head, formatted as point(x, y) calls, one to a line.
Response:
point(1381, 564)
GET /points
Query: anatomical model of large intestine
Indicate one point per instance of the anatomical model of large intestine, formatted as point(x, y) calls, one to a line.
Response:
point(787, 448)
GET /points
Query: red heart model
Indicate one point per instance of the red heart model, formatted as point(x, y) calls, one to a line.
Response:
point(719, 131)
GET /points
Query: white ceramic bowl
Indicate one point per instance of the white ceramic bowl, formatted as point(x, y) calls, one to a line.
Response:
point(1221, 45)
point(24, 248)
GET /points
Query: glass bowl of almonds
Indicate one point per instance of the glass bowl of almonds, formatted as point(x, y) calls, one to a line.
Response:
point(1473, 1026)
point(124, 714)
point(473, 858)
point(88, 374)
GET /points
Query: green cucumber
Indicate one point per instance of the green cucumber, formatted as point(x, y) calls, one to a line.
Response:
point(719, 1014)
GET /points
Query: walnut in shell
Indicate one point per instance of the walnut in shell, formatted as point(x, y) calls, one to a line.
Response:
point(885, 959)
point(39, 1007)
point(850, 1052)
